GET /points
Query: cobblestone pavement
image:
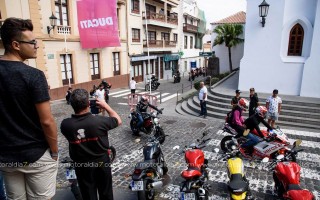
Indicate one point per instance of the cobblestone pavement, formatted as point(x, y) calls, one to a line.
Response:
point(183, 131)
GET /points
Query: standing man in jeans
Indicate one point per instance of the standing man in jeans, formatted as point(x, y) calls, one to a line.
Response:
point(87, 135)
point(27, 127)
point(273, 104)
point(203, 97)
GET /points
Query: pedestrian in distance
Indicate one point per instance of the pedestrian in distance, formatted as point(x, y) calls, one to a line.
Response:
point(254, 102)
point(235, 99)
point(87, 135)
point(273, 104)
point(68, 95)
point(28, 130)
point(203, 97)
point(100, 94)
point(133, 84)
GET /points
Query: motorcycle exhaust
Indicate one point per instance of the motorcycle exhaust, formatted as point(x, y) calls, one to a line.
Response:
point(157, 184)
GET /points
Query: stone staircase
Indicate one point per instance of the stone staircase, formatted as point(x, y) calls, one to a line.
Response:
point(293, 114)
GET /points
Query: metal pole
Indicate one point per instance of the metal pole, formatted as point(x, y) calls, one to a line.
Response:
point(182, 88)
point(177, 96)
point(147, 34)
point(191, 83)
point(160, 97)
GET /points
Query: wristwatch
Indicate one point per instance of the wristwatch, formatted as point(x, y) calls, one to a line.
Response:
point(54, 154)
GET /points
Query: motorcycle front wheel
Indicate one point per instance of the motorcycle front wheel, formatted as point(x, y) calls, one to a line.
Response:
point(146, 194)
point(134, 129)
point(226, 144)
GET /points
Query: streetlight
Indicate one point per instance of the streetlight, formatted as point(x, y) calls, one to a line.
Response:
point(263, 11)
point(53, 23)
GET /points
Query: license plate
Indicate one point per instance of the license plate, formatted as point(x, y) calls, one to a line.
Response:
point(71, 174)
point(137, 185)
point(188, 196)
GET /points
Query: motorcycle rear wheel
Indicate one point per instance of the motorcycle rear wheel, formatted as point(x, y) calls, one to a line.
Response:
point(145, 195)
point(225, 143)
point(134, 129)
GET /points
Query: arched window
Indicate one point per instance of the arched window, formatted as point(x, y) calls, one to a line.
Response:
point(296, 41)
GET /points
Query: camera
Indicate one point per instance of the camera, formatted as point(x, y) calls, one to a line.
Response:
point(94, 109)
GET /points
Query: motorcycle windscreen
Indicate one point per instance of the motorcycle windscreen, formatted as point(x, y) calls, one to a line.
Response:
point(151, 151)
point(235, 166)
point(288, 172)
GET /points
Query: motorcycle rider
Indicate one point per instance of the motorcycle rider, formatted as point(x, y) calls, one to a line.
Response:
point(142, 106)
point(252, 123)
point(236, 115)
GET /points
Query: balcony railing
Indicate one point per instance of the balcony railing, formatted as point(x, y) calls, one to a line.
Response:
point(159, 43)
point(162, 18)
point(190, 28)
point(64, 29)
point(172, 20)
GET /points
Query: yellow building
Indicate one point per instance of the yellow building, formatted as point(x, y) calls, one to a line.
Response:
point(60, 55)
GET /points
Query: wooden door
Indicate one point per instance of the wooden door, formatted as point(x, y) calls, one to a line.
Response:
point(161, 68)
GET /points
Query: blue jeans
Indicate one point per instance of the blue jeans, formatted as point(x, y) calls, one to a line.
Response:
point(140, 120)
point(252, 140)
point(203, 105)
point(2, 193)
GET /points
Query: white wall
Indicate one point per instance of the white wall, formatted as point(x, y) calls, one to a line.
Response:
point(221, 51)
point(310, 83)
point(265, 64)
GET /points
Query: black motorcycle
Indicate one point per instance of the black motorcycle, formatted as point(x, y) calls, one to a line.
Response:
point(150, 123)
point(154, 84)
point(176, 78)
point(71, 173)
point(147, 175)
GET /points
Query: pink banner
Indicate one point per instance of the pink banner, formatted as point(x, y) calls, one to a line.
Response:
point(98, 23)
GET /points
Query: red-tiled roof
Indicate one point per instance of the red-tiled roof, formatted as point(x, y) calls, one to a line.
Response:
point(238, 18)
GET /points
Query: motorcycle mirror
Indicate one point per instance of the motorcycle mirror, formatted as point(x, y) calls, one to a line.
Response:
point(216, 150)
point(279, 157)
point(265, 160)
point(176, 147)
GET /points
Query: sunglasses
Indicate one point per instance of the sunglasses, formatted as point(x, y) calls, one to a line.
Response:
point(33, 42)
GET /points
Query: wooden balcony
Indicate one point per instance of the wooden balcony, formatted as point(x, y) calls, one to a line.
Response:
point(160, 44)
point(159, 19)
point(190, 28)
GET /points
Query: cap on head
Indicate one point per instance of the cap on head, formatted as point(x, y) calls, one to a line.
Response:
point(275, 91)
point(238, 91)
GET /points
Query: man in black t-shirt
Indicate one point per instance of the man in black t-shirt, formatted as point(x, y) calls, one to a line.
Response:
point(235, 99)
point(87, 135)
point(254, 102)
point(27, 127)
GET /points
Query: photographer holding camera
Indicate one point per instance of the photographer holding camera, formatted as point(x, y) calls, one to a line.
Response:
point(87, 135)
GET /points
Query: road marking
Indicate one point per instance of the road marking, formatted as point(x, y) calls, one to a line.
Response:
point(168, 97)
point(126, 104)
point(302, 133)
point(123, 94)
point(113, 93)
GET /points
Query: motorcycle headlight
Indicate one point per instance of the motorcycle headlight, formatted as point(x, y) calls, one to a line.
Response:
point(156, 120)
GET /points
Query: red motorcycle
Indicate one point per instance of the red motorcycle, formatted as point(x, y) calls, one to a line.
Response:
point(276, 143)
point(195, 186)
point(286, 175)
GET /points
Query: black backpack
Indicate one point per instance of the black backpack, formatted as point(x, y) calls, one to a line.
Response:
point(229, 116)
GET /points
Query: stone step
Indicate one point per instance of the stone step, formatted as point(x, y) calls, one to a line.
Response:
point(293, 103)
point(284, 111)
point(310, 121)
point(186, 109)
point(179, 110)
point(305, 109)
point(285, 124)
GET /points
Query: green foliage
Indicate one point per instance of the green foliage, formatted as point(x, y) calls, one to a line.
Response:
point(196, 85)
point(214, 80)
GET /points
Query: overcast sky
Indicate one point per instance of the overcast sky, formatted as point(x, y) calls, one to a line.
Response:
point(219, 9)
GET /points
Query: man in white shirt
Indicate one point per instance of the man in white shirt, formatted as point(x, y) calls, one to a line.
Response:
point(203, 97)
point(133, 85)
point(100, 94)
point(273, 104)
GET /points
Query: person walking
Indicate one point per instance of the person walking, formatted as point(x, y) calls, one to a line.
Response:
point(203, 97)
point(68, 95)
point(28, 130)
point(87, 135)
point(133, 84)
point(254, 102)
point(235, 99)
point(273, 104)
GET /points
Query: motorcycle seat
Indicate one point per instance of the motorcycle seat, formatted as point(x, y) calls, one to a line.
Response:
point(294, 187)
point(237, 184)
point(191, 172)
point(146, 164)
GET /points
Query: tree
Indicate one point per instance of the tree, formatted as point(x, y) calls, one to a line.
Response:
point(229, 35)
